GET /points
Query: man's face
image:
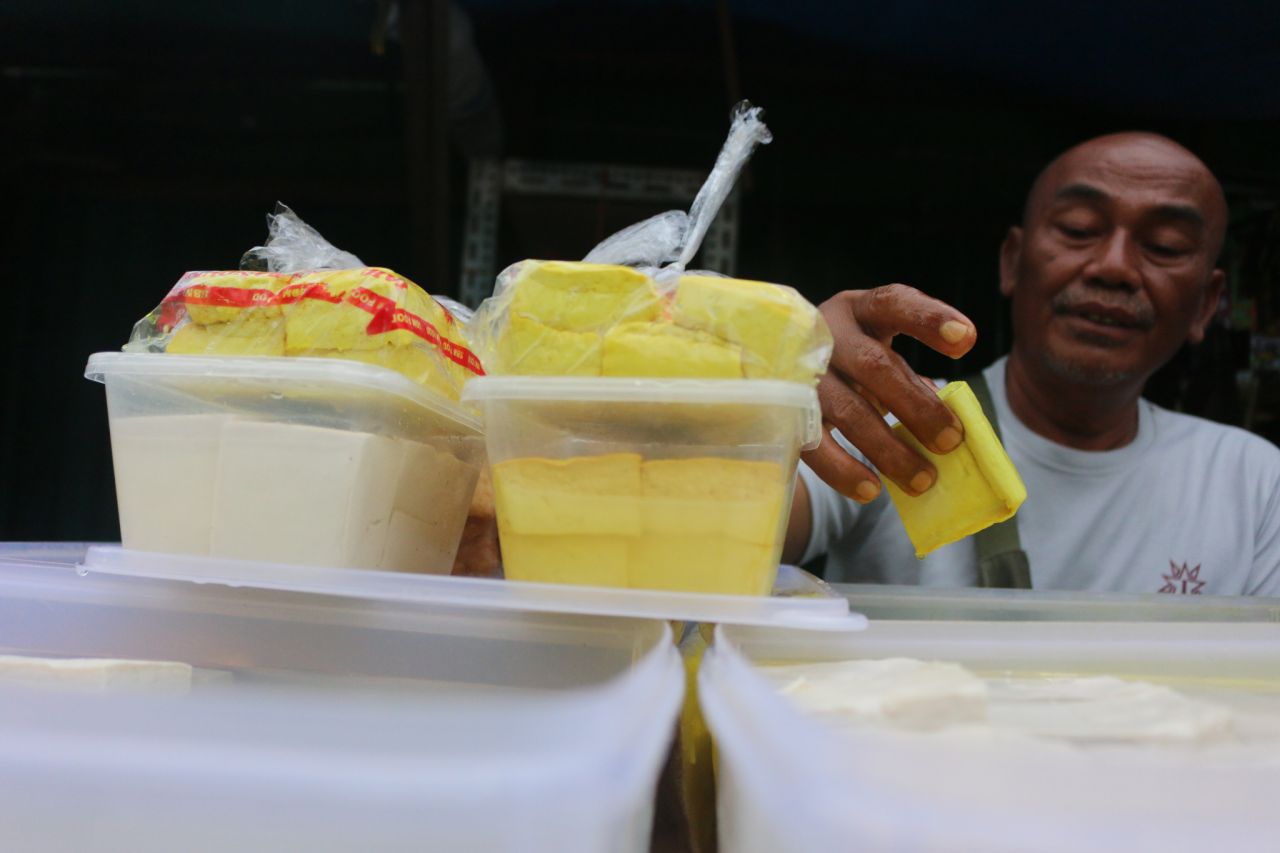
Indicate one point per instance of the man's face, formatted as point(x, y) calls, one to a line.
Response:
point(1113, 267)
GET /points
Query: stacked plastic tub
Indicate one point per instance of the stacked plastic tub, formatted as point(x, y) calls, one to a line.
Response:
point(792, 780)
point(883, 601)
point(223, 704)
point(324, 723)
point(272, 658)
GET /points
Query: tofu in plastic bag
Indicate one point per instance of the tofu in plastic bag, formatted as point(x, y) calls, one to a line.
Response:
point(631, 309)
point(562, 318)
point(296, 308)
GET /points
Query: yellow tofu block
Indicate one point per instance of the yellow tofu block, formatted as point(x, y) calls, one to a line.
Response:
point(247, 336)
point(318, 324)
point(705, 564)
point(697, 784)
point(420, 363)
point(531, 348)
point(197, 288)
point(977, 485)
point(596, 495)
point(774, 325)
point(582, 297)
point(663, 349)
point(458, 375)
point(421, 303)
point(715, 499)
point(586, 560)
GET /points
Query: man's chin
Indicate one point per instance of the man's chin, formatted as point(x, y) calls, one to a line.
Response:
point(1081, 369)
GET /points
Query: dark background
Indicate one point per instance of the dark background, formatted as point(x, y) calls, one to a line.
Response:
point(142, 139)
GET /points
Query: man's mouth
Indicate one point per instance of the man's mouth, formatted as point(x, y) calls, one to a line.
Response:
point(1107, 320)
point(1108, 315)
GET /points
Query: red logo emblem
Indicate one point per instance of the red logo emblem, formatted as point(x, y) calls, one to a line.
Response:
point(1182, 580)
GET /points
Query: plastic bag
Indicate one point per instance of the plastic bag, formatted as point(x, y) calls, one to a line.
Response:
point(630, 309)
point(293, 245)
point(309, 303)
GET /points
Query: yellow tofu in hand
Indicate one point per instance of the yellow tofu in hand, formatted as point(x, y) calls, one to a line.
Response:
point(977, 485)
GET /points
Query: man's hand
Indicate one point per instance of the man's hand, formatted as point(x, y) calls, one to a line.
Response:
point(866, 378)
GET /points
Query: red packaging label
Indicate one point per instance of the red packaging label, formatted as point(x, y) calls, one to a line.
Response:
point(387, 315)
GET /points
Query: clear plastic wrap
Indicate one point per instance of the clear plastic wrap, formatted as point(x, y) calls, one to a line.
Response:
point(309, 302)
point(561, 318)
point(630, 309)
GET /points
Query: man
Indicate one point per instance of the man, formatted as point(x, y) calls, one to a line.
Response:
point(1111, 270)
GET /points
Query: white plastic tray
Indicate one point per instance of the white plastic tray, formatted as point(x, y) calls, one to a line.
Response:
point(805, 603)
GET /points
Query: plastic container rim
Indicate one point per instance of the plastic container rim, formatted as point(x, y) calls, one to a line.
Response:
point(803, 614)
point(102, 365)
point(621, 389)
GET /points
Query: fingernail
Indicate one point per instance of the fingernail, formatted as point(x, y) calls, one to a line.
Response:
point(948, 439)
point(921, 482)
point(866, 491)
point(953, 331)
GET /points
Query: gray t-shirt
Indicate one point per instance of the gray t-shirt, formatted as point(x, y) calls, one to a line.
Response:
point(1189, 506)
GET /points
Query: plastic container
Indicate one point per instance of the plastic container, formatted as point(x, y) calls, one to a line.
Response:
point(333, 724)
point(57, 553)
point(676, 484)
point(311, 461)
point(881, 601)
point(788, 781)
point(799, 601)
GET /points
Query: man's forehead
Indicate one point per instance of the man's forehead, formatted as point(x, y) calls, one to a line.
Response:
point(1130, 166)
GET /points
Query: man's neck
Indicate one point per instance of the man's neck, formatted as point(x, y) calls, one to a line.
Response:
point(1079, 416)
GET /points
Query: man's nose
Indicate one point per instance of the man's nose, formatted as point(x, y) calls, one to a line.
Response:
point(1115, 263)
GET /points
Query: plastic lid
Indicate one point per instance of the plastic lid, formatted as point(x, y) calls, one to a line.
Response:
point(804, 603)
point(887, 601)
point(616, 389)
point(353, 379)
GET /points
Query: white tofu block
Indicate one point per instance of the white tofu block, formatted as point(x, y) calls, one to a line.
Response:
point(434, 483)
point(165, 469)
point(431, 503)
point(414, 545)
point(915, 693)
point(96, 675)
point(302, 494)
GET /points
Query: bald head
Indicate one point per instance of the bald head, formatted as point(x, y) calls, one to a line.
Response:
point(1142, 160)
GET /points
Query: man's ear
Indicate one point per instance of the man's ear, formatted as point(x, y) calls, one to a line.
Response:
point(1212, 296)
point(1010, 256)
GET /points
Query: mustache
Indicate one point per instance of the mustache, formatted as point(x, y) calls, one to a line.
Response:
point(1073, 299)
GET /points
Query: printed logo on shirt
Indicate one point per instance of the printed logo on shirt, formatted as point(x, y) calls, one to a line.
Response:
point(1182, 580)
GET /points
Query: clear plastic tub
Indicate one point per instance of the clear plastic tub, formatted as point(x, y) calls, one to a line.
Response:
point(326, 723)
point(887, 601)
point(310, 461)
point(677, 484)
point(790, 781)
point(799, 600)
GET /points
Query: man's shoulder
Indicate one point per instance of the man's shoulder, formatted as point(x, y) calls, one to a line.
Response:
point(1177, 430)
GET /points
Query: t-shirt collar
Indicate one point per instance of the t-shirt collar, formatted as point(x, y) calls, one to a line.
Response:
point(1015, 434)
